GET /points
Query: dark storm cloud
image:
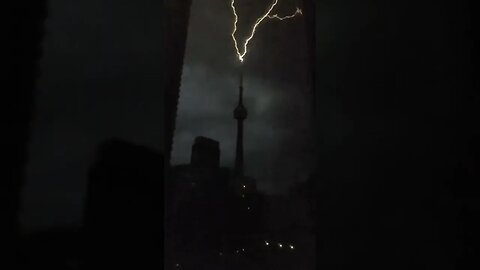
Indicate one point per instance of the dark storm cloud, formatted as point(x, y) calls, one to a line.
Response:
point(277, 147)
point(270, 51)
point(100, 78)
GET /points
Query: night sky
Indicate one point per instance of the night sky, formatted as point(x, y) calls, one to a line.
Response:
point(100, 78)
point(277, 91)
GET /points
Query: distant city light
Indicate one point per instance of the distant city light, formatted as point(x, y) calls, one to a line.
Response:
point(243, 196)
point(177, 265)
point(221, 253)
point(266, 243)
point(248, 208)
point(244, 186)
point(243, 249)
point(292, 247)
point(237, 251)
point(280, 245)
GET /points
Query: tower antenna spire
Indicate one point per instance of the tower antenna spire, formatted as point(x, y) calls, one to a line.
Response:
point(240, 98)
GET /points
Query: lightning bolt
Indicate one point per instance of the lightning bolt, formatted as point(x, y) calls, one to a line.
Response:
point(275, 16)
point(241, 55)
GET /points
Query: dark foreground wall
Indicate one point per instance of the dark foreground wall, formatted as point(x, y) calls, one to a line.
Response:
point(124, 208)
point(397, 126)
point(22, 33)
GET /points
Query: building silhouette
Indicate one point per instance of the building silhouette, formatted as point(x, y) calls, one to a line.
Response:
point(123, 216)
point(407, 107)
point(205, 153)
point(465, 187)
point(54, 248)
point(206, 212)
point(203, 178)
point(23, 35)
point(178, 14)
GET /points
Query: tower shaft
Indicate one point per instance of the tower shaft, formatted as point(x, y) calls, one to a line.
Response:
point(239, 149)
point(240, 114)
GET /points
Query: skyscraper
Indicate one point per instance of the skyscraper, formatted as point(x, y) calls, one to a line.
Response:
point(123, 213)
point(205, 153)
point(177, 25)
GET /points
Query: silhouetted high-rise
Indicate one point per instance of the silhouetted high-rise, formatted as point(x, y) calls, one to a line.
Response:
point(123, 216)
point(177, 27)
point(205, 153)
point(240, 113)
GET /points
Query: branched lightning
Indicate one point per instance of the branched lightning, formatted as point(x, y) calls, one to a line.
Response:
point(275, 16)
point(241, 55)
